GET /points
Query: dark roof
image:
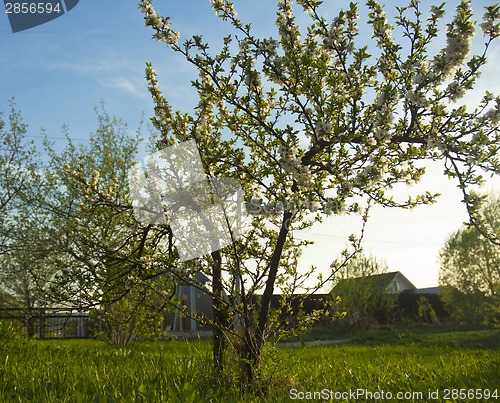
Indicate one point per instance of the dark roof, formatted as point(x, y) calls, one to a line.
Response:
point(199, 276)
point(385, 277)
point(381, 280)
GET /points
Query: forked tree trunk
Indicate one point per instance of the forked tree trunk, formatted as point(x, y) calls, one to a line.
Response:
point(254, 338)
point(255, 344)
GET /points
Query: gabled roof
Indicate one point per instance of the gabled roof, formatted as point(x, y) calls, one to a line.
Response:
point(382, 280)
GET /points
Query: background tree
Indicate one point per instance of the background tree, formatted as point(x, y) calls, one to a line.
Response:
point(26, 275)
point(363, 292)
point(18, 174)
point(470, 271)
point(91, 251)
point(20, 221)
point(312, 122)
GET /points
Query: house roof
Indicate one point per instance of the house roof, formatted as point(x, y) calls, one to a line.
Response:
point(382, 280)
point(199, 276)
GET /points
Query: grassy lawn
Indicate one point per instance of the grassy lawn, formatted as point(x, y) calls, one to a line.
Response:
point(412, 361)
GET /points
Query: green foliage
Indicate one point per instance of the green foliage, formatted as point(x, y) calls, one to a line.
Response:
point(472, 307)
point(68, 234)
point(100, 253)
point(18, 176)
point(470, 270)
point(24, 274)
point(361, 265)
point(364, 293)
point(7, 332)
point(426, 312)
point(135, 317)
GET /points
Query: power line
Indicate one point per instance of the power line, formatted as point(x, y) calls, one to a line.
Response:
point(369, 240)
point(56, 138)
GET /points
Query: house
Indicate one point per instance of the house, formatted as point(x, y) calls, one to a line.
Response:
point(397, 283)
point(410, 303)
point(390, 283)
point(365, 294)
point(195, 301)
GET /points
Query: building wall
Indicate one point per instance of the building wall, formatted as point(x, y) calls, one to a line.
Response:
point(202, 305)
point(399, 284)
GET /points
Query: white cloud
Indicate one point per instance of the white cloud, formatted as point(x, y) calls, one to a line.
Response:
point(132, 86)
point(95, 64)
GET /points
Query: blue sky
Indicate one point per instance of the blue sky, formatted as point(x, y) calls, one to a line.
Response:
point(59, 71)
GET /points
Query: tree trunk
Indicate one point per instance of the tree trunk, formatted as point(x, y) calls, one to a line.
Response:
point(219, 309)
point(30, 325)
point(254, 347)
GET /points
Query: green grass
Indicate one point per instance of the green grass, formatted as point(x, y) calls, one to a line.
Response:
point(462, 337)
point(423, 334)
point(400, 361)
